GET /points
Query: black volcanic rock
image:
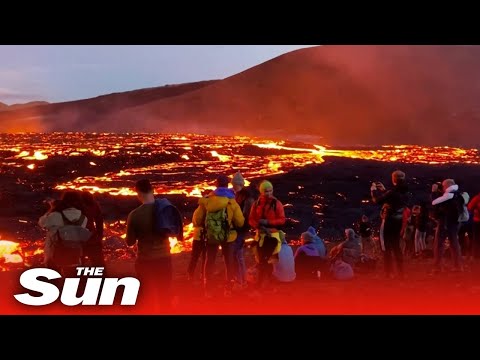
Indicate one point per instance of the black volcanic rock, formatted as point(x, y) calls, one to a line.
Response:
point(331, 196)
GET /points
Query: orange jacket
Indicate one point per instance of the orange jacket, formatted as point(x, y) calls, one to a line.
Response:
point(270, 209)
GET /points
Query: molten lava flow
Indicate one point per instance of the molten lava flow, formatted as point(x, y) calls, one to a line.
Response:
point(193, 177)
point(185, 164)
point(9, 253)
point(176, 246)
point(188, 164)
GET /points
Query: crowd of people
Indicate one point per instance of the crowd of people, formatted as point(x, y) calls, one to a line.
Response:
point(227, 216)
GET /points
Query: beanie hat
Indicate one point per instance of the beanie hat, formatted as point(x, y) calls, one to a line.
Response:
point(264, 185)
point(238, 179)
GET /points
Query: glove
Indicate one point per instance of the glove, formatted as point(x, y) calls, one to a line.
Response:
point(263, 222)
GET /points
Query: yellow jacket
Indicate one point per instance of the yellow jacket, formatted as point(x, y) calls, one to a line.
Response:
point(215, 202)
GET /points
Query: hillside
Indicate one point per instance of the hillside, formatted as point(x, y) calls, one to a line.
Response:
point(346, 95)
point(74, 115)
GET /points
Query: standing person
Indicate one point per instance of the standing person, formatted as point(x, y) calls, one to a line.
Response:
point(267, 216)
point(222, 216)
point(69, 210)
point(245, 199)
point(393, 203)
point(447, 210)
point(474, 206)
point(407, 243)
point(421, 222)
point(465, 237)
point(93, 249)
point(365, 231)
point(199, 246)
point(154, 263)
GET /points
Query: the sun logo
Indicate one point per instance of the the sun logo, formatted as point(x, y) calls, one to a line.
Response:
point(31, 280)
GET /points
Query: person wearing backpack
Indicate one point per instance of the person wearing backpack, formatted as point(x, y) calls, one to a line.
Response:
point(221, 216)
point(394, 202)
point(448, 209)
point(474, 207)
point(245, 200)
point(68, 213)
point(267, 216)
point(153, 264)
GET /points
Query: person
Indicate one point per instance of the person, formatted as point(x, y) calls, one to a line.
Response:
point(393, 203)
point(365, 232)
point(69, 209)
point(474, 206)
point(309, 259)
point(245, 199)
point(447, 217)
point(199, 246)
point(465, 237)
point(220, 202)
point(267, 216)
point(284, 269)
point(153, 264)
point(93, 249)
point(421, 222)
point(408, 233)
point(316, 241)
point(350, 250)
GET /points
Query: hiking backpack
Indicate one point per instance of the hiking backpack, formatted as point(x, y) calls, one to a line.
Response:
point(461, 207)
point(217, 227)
point(167, 220)
point(72, 234)
point(70, 239)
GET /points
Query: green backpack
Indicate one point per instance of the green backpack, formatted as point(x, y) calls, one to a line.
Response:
point(217, 227)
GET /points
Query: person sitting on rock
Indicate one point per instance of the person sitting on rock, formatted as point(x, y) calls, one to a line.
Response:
point(350, 250)
point(308, 258)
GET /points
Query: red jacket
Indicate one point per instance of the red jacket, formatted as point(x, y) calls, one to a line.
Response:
point(474, 205)
point(267, 208)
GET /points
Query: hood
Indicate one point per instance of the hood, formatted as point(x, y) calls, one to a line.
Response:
point(226, 192)
point(451, 189)
point(312, 231)
point(214, 203)
point(72, 214)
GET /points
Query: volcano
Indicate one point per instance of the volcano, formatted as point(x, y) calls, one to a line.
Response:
point(340, 95)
